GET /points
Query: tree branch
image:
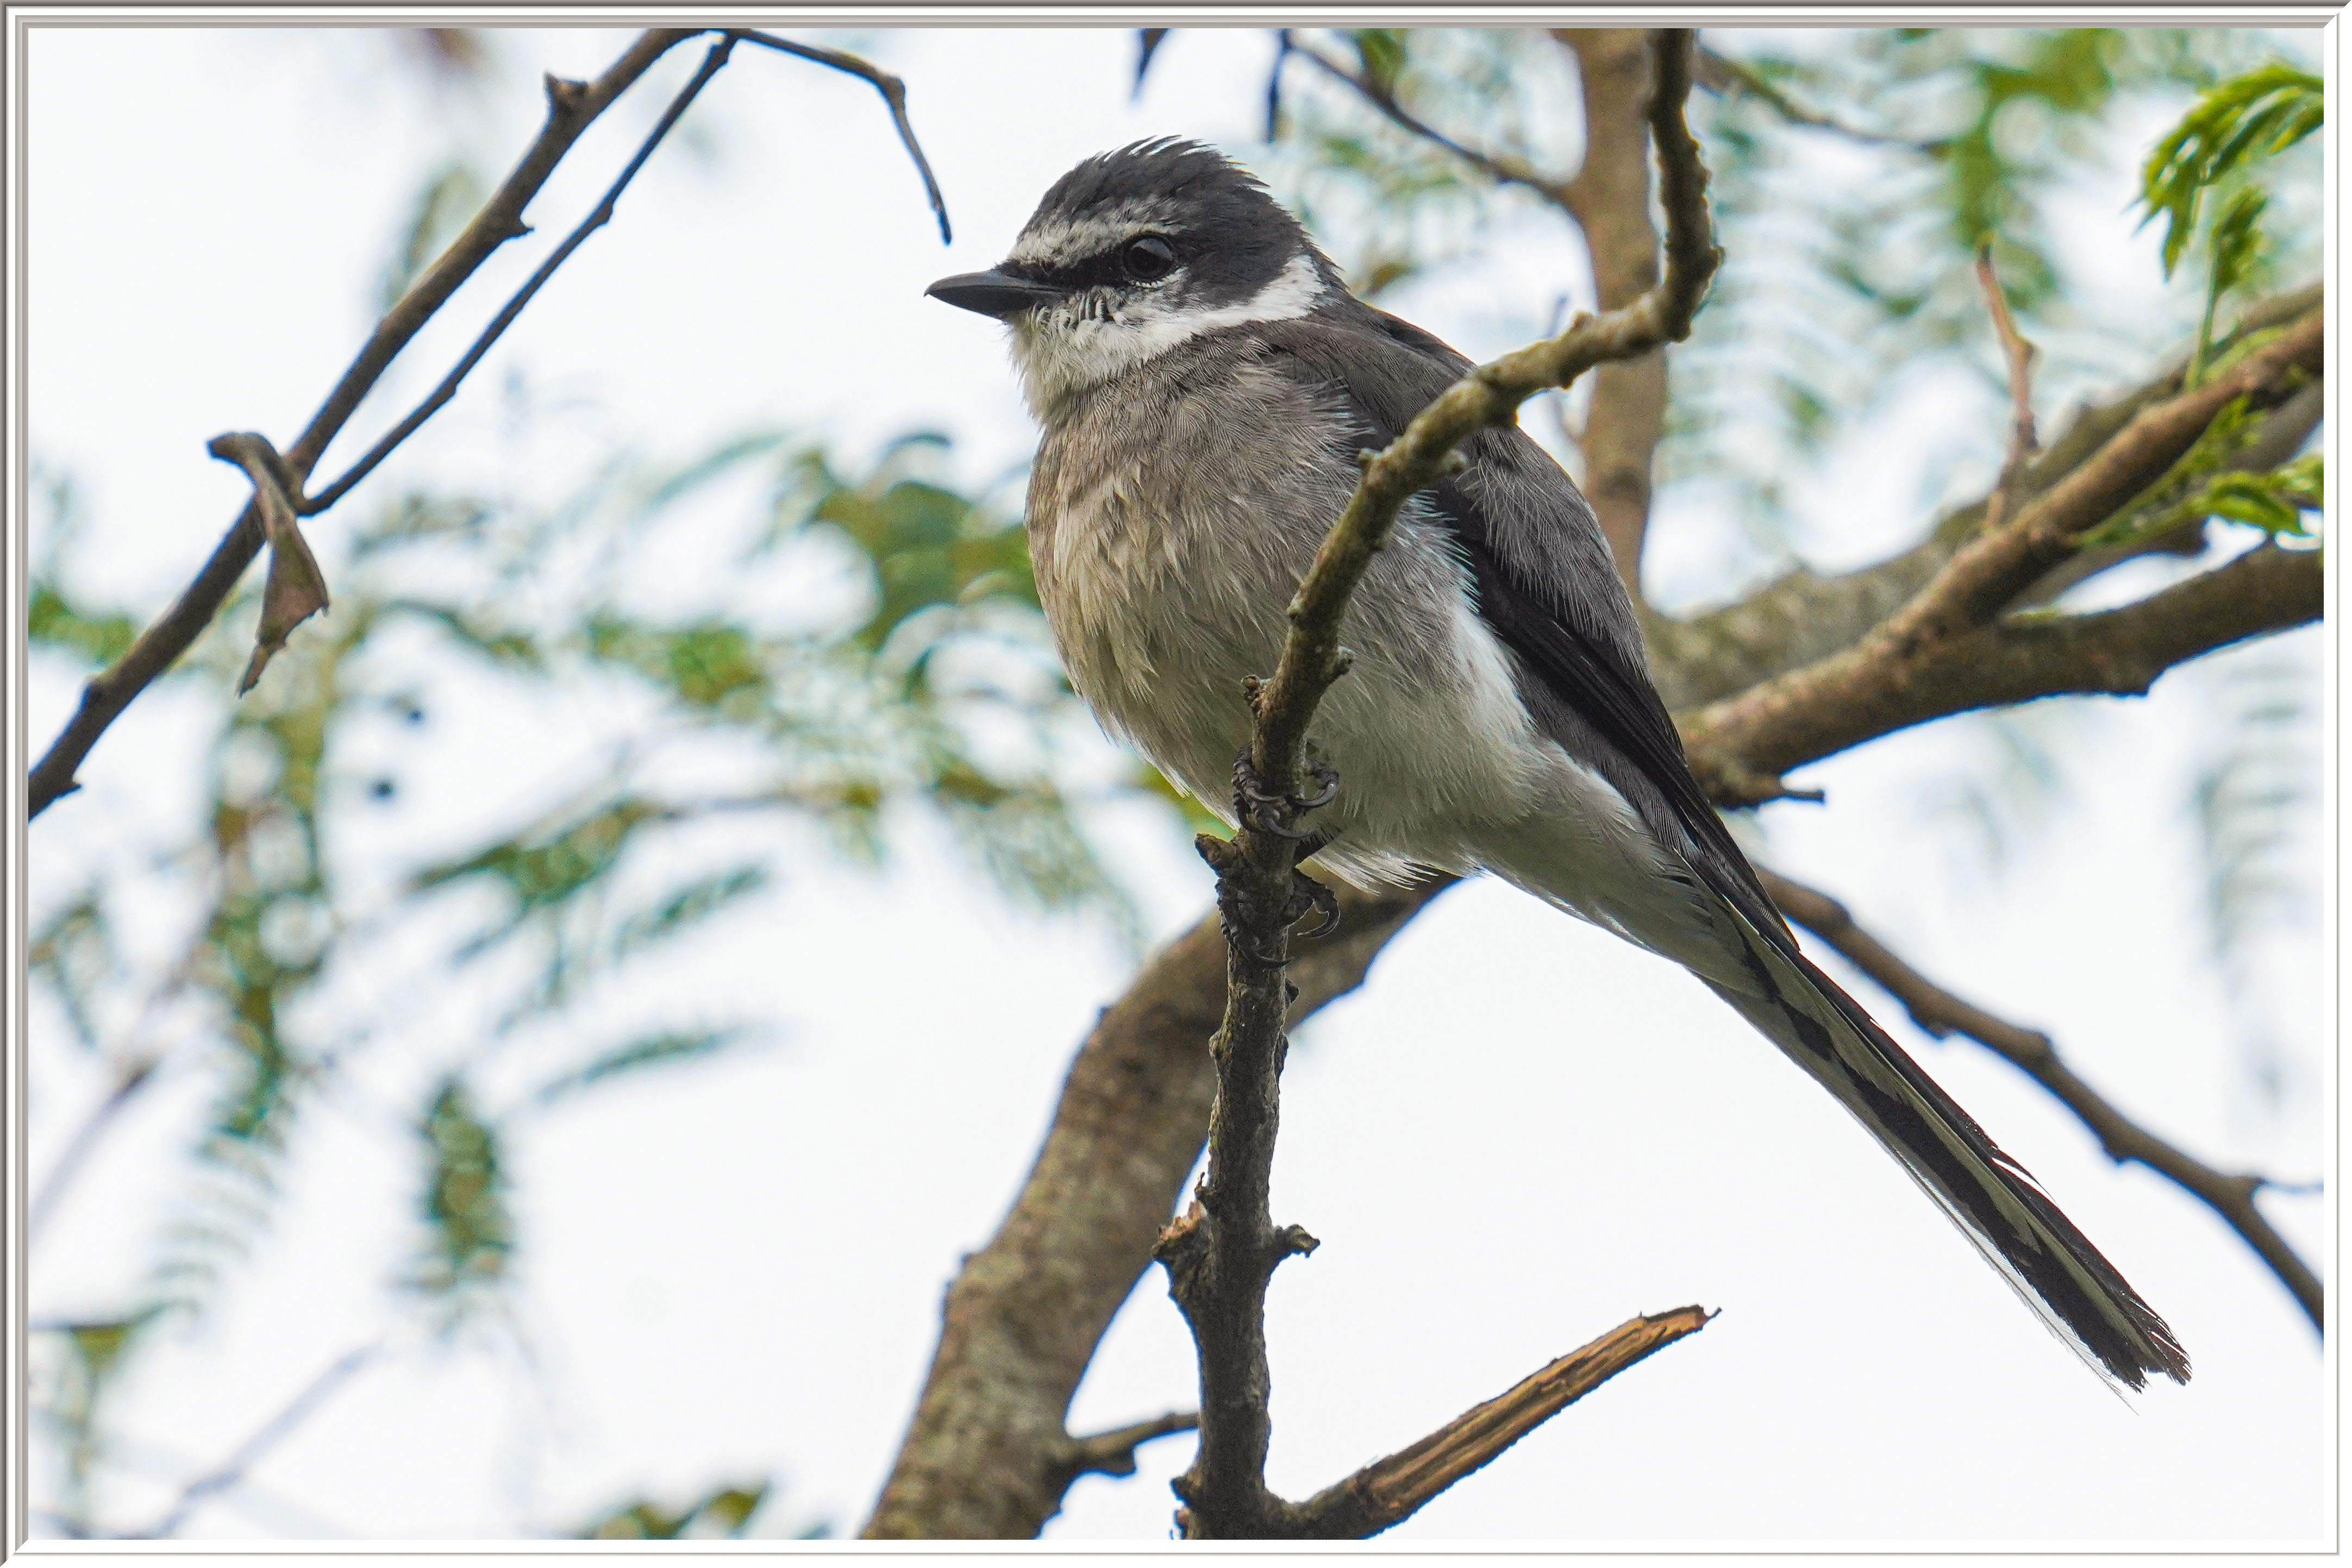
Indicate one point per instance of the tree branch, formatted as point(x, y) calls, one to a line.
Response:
point(2114, 653)
point(70, 1159)
point(1221, 1255)
point(1113, 1453)
point(984, 1455)
point(1803, 617)
point(1884, 681)
point(1610, 201)
point(1389, 1491)
point(572, 107)
point(1940, 1013)
point(596, 219)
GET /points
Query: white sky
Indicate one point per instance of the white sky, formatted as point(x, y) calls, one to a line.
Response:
point(1519, 1134)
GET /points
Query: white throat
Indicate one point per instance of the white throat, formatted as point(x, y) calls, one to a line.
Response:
point(1061, 350)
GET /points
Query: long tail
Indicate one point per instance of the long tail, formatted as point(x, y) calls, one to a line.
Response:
point(1992, 1198)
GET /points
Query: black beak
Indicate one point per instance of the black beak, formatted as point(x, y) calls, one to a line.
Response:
point(996, 294)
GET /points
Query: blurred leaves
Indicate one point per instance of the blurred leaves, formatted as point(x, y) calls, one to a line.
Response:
point(1390, 206)
point(450, 195)
point(721, 1516)
point(1851, 279)
point(465, 1200)
point(51, 621)
point(72, 952)
point(2253, 804)
point(655, 1050)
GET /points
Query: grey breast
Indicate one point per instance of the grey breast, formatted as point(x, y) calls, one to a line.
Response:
point(1171, 513)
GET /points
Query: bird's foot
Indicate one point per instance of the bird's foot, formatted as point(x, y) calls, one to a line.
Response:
point(1256, 806)
point(1307, 896)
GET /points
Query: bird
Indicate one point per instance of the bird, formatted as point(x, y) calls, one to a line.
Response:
point(1203, 383)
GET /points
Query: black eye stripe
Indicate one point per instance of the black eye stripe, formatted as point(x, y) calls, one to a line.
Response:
point(1107, 266)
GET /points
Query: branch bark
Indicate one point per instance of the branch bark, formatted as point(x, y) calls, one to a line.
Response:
point(2115, 653)
point(1610, 201)
point(1940, 1013)
point(1389, 1491)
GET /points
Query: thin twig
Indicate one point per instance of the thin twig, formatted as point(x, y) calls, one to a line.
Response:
point(1113, 1453)
point(86, 1137)
point(572, 107)
point(2018, 353)
point(596, 219)
point(1285, 46)
point(1389, 1491)
point(1502, 168)
point(893, 93)
point(1940, 1013)
point(267, 1436)
point(1221, 1255)
point(1718, 74)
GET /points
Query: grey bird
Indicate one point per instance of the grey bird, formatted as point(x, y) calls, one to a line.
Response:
point(1203, 380)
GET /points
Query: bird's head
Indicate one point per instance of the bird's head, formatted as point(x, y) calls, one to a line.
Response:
point(1134, 251)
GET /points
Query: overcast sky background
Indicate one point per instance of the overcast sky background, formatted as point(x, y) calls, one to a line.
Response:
point(1519, 1133)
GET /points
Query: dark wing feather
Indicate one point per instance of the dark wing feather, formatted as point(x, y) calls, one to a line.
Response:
point(1581, 653)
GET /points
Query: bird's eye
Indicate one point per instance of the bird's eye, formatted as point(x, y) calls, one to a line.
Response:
point(1148, 259)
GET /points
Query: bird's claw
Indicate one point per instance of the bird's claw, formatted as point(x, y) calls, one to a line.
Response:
point(1308, 896)
point(1254, 804)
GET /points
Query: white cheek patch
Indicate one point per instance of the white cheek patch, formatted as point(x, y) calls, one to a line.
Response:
point(1065, 349)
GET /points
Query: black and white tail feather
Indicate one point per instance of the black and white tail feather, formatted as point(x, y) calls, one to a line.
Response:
point(1995, 1201)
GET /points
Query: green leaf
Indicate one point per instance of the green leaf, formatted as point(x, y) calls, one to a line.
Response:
point(73, 952)
point(705, 663)
point(2233, 124)
point(2274, 501)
